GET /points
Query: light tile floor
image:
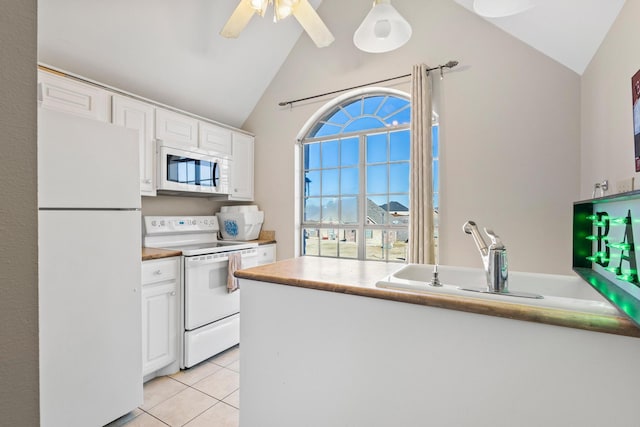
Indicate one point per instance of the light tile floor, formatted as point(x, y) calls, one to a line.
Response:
point(204, 395)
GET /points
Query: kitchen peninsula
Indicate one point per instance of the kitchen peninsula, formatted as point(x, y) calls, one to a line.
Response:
point(323, 346)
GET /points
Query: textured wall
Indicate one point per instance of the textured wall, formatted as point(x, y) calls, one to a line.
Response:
point(18, 216)
point(510, 129)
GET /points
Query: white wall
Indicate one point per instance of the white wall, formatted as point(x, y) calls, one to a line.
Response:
point(607, 119)
point(510, 129)
point(19, 405)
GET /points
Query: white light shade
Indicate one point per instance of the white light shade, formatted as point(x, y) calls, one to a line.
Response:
point(500, 8)
point(382, 30)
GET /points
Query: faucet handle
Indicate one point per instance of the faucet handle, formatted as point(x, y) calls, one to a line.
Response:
point(496, 243)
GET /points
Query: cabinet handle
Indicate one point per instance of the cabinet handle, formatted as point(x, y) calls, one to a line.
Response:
point(173, 294)
point(158, 272)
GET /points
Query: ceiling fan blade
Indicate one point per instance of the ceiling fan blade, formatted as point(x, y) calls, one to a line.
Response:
point(312, 24)
point(238, 20)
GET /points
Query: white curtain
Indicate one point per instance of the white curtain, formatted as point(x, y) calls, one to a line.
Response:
point(421, 245)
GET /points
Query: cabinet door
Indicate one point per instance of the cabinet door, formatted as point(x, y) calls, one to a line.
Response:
point(160, 284)
point(242, 173)
point(138, 115)
point(159, 326)
point(215, 138)
point(71, 96)
point(177, 128)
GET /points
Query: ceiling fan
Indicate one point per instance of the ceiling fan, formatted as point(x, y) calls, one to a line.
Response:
point(300, 9)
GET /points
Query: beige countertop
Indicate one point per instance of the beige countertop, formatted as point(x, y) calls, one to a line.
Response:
point(156, 253)
point(359, 278)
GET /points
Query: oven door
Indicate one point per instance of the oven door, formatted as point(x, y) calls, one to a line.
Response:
point(206, 297)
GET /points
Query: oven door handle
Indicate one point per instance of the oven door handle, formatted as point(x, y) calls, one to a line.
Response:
point(223, 257)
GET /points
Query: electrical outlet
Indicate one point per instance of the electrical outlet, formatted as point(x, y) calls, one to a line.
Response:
point(624, 185)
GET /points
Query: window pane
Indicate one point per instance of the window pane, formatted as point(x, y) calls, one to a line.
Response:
point(328, 242)
point(310, 242)
point(330, 154)
point(349, 181)
point(330, 182)
point(350, 152)
point(399, 145)
point(398, 217)
point(325, 129)
point(400, 118)
point(349, 206)
point(435, 139)
point(399, 177)
point(312, 156)
point(398, 204)
point(372, 103)
point(364, 123)
point(376, 214)
point(377, 182)
point(348, 244)
point(391, 105)
point(396, 245)
point(436, 175)
point(330, 210)
point(377, 148)
point(312, 183)
point(312, 209)
point(355, 108)
point(339, 117)
point(375, 244)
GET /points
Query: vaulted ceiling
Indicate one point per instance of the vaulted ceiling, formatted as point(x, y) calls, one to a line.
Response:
point(170, 51)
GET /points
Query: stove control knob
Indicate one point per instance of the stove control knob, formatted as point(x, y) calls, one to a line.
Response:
point(154, 223)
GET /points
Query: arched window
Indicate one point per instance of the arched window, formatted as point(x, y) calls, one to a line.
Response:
point(355, 177)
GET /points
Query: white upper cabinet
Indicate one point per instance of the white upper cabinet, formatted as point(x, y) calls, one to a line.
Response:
point(132, 114)
point(71, 96)
point(215, 138)
point(177, 128)
point(242, 172)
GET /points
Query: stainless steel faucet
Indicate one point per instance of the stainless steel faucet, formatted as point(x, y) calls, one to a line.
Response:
point(494, 258)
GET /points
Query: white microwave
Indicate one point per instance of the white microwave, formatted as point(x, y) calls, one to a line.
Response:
point(192, 170)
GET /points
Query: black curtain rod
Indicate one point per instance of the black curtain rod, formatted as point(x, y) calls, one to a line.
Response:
point(449, 64)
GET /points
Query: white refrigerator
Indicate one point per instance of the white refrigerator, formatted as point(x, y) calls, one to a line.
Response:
point(89, 236)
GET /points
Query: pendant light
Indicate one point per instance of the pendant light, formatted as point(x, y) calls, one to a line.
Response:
point(500, 8)
point(382, 30)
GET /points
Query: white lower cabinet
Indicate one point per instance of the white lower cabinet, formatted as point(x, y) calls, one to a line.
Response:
point(160, 299)
point(266, 254)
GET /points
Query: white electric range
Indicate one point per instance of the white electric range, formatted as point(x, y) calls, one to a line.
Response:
point(210, 314)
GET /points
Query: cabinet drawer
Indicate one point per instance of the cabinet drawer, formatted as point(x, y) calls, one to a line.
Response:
point(159, 270)
point(266, 254)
